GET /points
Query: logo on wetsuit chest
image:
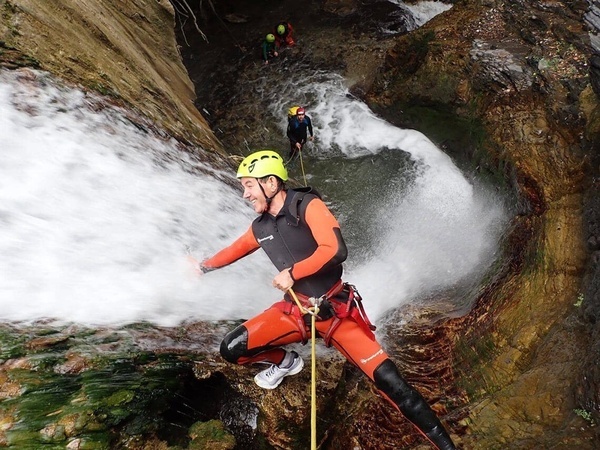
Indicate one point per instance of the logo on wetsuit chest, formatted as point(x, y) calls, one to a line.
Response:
point(268, 238)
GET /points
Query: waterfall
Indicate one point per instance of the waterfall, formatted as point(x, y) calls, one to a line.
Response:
point(98, 214)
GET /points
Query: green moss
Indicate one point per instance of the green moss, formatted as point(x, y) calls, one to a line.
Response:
point(11, 344)
point(210, 435)
point(585, 415)
point(474, 355)
point(43, 399)
point(131, 395)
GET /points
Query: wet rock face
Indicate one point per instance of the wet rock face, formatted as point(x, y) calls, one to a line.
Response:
point(93, 45)
point(592, 19)
point(588, 392)
point(522, 68)
point(517, 67)
point(500, 68)
point(133, 387)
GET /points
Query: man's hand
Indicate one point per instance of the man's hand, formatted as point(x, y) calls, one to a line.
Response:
point(283, 280)
point(195, 266)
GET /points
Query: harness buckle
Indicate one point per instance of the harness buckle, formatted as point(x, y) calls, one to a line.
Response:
point(316, 302)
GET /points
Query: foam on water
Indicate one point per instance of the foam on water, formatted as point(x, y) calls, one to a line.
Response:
point(440, 231)
point(97, 213)
point(423, 12)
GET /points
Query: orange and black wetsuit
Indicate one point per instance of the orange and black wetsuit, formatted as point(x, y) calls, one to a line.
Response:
point(287, 38)
point(306, 238)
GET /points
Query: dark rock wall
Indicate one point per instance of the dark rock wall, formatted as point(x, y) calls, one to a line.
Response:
point(592, 19)
point(588, 392)
point(124, 50)
point(521, 70)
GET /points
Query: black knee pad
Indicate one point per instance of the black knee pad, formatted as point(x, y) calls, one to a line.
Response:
point(412, 404)
point(389, 381)
point(235, 344)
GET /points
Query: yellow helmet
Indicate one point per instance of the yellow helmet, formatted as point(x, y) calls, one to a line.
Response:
point(292, 111)
point(261, 164)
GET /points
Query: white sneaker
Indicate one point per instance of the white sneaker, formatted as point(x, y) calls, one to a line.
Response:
point(271, 378)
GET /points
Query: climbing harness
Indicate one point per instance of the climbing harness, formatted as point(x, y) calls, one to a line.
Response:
point(313, 311)
point(340, 302)
point(352, 308)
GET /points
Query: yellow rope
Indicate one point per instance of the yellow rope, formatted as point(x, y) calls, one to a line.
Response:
point(313, 366)
point(313, 384)
point(302, 167)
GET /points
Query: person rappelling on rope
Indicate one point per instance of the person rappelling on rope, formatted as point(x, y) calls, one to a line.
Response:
point(298, 130)
point(304, 241)
point(269, 48)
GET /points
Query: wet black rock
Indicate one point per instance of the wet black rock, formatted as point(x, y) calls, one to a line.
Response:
point(592, 19)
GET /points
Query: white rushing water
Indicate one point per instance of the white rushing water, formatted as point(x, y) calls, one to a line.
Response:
point(97, 215)
point(95, 224)
point(439, 233)
point(423, 12)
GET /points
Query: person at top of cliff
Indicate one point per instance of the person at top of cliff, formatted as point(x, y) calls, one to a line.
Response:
point(304, 241)
point(298, 130)
point(269, 48)
point(284, 34)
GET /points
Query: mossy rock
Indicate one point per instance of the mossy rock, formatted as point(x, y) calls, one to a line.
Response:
point(211, 434)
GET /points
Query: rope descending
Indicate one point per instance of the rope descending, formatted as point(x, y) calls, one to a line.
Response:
point(313, 311)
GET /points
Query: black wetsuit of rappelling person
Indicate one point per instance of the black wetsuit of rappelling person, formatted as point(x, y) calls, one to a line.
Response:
point(298, 131)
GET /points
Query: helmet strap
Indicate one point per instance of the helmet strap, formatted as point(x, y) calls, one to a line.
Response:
point(267, 198)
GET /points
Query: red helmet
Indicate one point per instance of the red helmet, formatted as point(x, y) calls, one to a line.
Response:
point(300, 110)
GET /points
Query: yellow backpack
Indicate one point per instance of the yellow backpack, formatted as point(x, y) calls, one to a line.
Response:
point(292, 112)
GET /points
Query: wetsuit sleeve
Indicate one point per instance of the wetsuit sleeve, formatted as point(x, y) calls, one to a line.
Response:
point(290, 131)
point(331, 249)
point(243, 246)
point(310, 130)
point(264, 50)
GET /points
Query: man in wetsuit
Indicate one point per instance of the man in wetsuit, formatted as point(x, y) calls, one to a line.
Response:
point(284, 34)
point(269, 48)
point(297, 132)
point(303, 240)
